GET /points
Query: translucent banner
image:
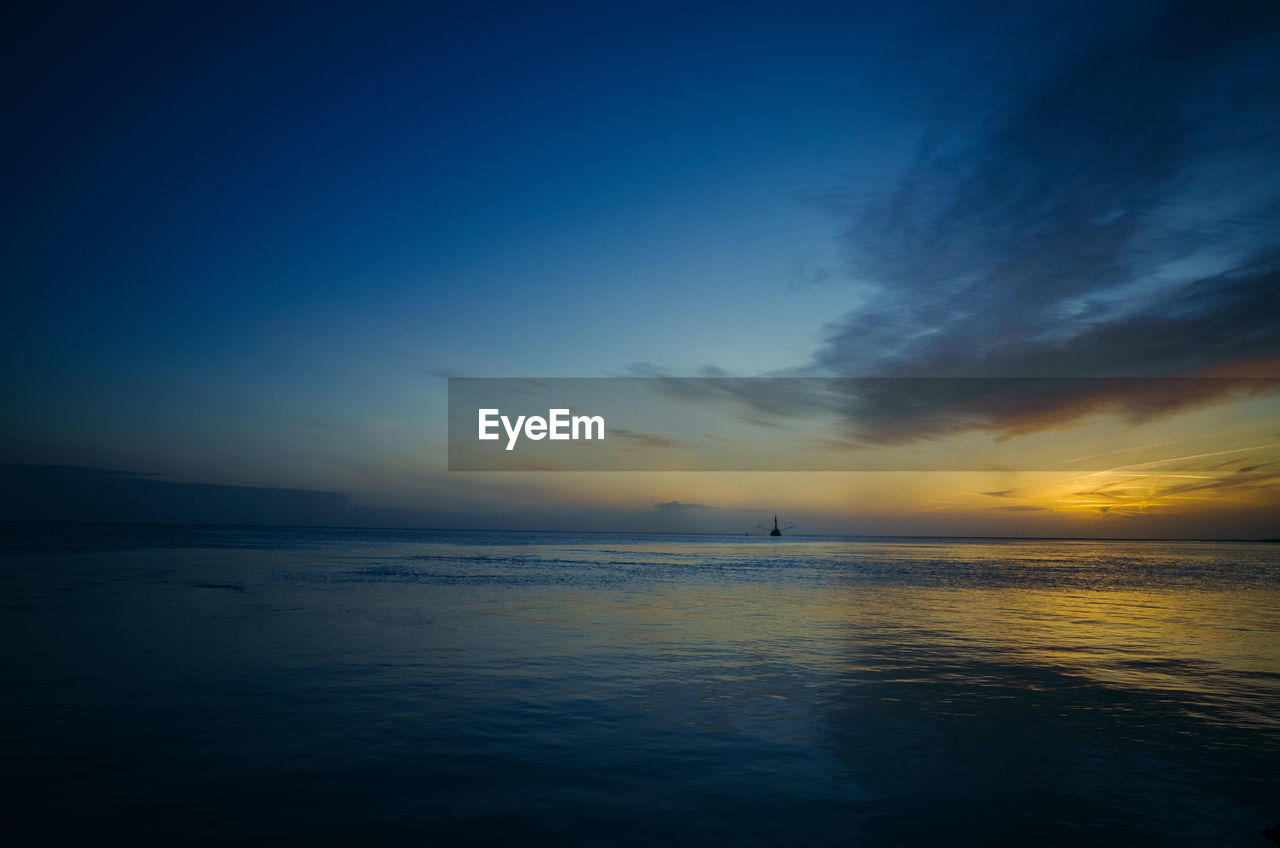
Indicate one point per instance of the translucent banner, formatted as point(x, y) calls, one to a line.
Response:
point(856, 424)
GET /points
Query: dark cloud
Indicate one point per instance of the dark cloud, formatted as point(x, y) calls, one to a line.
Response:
point(1119, 216)
point(645, 369)
point(74, 493)
point(909, 410)
point(898, 410)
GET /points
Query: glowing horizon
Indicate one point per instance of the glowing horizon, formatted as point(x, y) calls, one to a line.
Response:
point(241, 276)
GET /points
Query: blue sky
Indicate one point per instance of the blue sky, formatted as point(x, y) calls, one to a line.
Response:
point(244, 244)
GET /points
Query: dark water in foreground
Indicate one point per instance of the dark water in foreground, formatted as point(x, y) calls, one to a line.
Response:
point(310, 686)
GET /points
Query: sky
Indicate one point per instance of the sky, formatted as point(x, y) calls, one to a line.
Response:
point(246, 246)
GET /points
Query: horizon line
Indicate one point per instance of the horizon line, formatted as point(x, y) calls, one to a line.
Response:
point(732, 534)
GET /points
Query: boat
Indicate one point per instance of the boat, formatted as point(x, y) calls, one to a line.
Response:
point(776, 531)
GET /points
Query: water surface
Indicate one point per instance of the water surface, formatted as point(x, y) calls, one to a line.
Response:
point(340, 686)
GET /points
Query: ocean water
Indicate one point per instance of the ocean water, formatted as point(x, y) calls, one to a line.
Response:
point(292, 686)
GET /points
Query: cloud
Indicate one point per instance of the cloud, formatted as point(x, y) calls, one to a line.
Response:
point(906, 411)
point(677, 506)
point(1251, 481)
point(1141, 489)
point(645, 369)
point(647, 440)
point(75, 493)
point(887, 411)
point(1118, 216)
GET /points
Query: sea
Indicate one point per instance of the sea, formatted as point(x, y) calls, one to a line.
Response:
point(255, 685)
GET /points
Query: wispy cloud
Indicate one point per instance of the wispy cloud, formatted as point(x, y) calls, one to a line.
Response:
point(641, 440)
point(1118, 216)
point(677, 506)
point(1246, 476)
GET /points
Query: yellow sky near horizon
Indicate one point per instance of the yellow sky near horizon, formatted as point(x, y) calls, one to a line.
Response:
point(1212, 471)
